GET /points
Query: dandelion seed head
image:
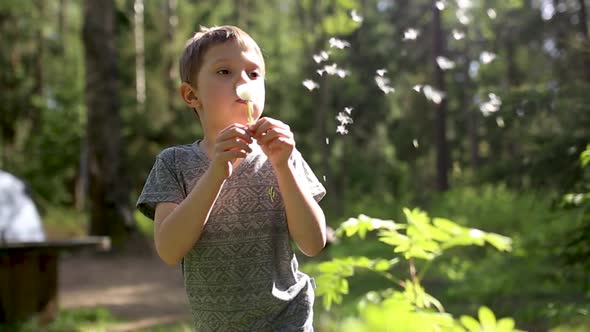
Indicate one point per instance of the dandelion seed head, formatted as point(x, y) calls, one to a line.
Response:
point(415, 143)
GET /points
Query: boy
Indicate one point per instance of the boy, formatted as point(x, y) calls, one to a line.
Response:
point(227, 205)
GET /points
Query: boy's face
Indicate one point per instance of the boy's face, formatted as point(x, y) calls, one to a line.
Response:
point(225, 67)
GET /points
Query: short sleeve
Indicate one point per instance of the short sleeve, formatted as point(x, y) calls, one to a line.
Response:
point(304, 171)
point(162, 185)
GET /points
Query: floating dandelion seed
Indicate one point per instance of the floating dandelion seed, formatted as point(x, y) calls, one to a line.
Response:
point(492, 13)
point(415, 143)
point(411, 34)
point(486, 57)
point(500, 122)
point(341, 130)
point(458, 35)
point(355, 16)
point(343, 118)
point(417, 87)
point(338, 43)
point(383, 84)
point(492, 105)
point(327, 141)
point(310, 85)
point(322, 56)
point(462, 16)
point(342, 73)
point(441, 5)
point(321, 72)
point(348, 110)
point(381, 72)
point(444, 63)
point(324, 178)
point(433, 94)
point(331, 69)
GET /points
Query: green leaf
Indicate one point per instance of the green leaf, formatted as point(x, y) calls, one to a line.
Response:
point(505, 325)
point(585, 156)
point(382, 265)
point(470, 323)
point(501, 243)
point(448, 226)
point(343, 286)
point(487, 319)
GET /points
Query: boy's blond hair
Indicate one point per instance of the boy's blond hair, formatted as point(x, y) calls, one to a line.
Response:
point(191, 59)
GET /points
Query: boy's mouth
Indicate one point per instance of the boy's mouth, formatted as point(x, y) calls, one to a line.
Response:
point(242, 101)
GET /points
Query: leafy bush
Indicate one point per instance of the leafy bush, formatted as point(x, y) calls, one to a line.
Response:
point(407, 306)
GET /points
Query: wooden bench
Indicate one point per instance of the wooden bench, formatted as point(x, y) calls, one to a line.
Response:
point(29, 276)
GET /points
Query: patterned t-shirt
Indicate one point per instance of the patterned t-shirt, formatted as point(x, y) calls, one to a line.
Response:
point(241, 275)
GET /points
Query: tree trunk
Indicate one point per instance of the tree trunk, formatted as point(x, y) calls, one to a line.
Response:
point(138, 29)
point(442, 153)
point(584, 30)
point(38, 90)
point(110, 211)
point(171, 74)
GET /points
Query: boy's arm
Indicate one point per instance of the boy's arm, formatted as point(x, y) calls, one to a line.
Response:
point(179, 226)
point(305, 218)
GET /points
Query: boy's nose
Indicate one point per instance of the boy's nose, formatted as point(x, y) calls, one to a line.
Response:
point(243, 78)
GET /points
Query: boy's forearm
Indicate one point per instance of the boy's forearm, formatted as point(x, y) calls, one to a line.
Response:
point(306, 220)
point(182, 228)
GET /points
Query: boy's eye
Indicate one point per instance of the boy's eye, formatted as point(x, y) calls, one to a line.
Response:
point(223, 71)
point(255, 74)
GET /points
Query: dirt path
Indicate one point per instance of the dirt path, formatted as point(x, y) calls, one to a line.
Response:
point(141, 290)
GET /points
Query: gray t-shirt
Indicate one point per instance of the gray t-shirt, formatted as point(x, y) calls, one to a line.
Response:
point(242, 274)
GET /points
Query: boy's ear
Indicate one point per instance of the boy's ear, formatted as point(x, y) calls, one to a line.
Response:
point(189, 96)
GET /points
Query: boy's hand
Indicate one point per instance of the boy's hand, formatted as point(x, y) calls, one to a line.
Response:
point(231, 144)
point(275, 138)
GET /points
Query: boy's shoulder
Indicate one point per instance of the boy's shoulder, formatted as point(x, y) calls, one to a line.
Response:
point(179, 152)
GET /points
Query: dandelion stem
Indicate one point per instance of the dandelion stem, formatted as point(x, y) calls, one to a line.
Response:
point(250, 120)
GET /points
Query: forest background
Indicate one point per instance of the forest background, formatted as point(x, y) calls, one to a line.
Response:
point(476, 111)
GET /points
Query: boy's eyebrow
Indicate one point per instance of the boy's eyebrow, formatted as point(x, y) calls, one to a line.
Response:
point(224, 60)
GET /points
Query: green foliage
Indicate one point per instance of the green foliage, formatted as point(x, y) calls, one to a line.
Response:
point(420, 238)
point(74, 320)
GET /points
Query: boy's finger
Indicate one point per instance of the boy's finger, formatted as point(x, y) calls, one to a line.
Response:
point(273, 133)
point(233, 144)
point(231, 132)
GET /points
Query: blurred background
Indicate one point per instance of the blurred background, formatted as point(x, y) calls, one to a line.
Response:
point(476, 111)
